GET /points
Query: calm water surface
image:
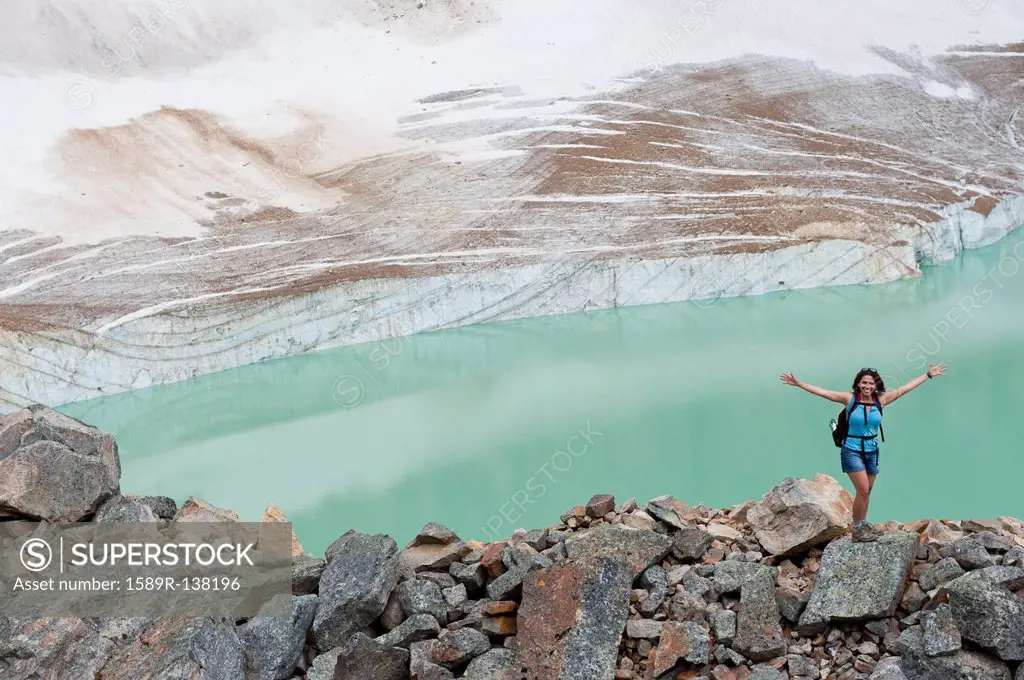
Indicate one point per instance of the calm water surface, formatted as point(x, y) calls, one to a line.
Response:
point(494, 427)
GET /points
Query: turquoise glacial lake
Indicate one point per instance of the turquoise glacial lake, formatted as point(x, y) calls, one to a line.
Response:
point(493, 427)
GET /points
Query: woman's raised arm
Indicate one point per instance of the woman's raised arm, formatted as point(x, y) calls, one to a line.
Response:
point(838, 397)
point(933, 372)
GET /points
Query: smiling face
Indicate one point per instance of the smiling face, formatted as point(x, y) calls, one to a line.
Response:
point(866, 385)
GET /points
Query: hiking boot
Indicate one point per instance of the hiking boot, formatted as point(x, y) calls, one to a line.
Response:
point(865, 532)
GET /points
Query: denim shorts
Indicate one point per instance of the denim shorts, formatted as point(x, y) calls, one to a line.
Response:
point(855, 461)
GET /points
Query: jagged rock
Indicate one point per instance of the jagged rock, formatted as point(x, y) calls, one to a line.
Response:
point(988, 615)
point(306, 572)
point(470, 575)
point(414, 629)
point(643, 628)
point(691, 543)
point(455, 647)
point(422, 597)
point(724, 623)
point(681, 640)
point(798, 514)
point(638, 519)
point(994, 542)
point(432, 556)
point(939, 633)
point(791, 601)
point(1011, 578)
point(639, 548)
point(859, 581)
point(758, 626)
point(124, 509)
point(163, 507)
point(1014, 558)
point(730, 576)
point(432, 532)
point(362, 658)
point(762, 672)
point(272, 645)
point(49, 481)
point(510, 581)
point(600, 505)
point(498, 626)
point(275, 514)
point(431, 671)
point(687, 606)
point(496, 664)
point(698, 585)
point(724, 531)
point(572, 617)
point(888, 669)
point(940, 573)
point(454, 596)
point(198, 510)
point(180, 648)
point(324, 665)
point(670, 511)
point(657, 585)
point(969, 553)
point(361, 572)
point(801, 667)
point(393, 614)
point(52, 648)
point(913, 598)
point(963, 665)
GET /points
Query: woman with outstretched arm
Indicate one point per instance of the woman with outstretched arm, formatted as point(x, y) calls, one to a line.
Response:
point(859, 452)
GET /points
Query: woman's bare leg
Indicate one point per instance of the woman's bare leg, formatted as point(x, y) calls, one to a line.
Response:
point(862, 483)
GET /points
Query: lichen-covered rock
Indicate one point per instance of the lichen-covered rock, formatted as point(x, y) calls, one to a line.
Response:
point(272, 645)
point(963, 665)
point(361, 572)
point(798, 514)
point(422, 597)
point(758, 625)
point(888, 669)
point(180, 648)
point(988, 615)
point(656, 583)
point(456, 647)
point(496, 664)
point(414, 629)
point(362, 658)
point(969, 553)
point(681, 640)
point(691, 543)
point(860, 581)
point(52, 648)
point(939, 633)
point(731, 575)
point(572, 617)
point(124, 509)
point(639, 548)
point(940, 573)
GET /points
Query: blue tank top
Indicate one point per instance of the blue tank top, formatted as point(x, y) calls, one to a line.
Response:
point(864, 425)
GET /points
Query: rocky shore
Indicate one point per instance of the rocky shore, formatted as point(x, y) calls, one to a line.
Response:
point(772, 588)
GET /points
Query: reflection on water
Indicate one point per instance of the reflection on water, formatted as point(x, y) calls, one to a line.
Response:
point(474, 427)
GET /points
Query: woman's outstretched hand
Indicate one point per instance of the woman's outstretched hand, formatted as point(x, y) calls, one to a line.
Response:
point(935, 371)
point(789, 379)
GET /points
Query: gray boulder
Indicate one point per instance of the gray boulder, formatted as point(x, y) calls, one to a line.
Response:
point(272, 645)
point(940, 635)
point(640, 549)
point(758, 625)
point(656, 583)
point(361, 658)
point(572, 616)
point(730, 576)
point(456, 647)
point(361, 572)
point(124, 509)
point(414, 629)
point(988, 615)
point(762, 672)
point(691, 543)
point(791, 601)
point(969, 553)
point(963, 665)
point(798, 514)
point(52, 648)
point(180, 648)
point(496, 664)
point(55, 468)
point(422, 597)
point(163, 507)
point(685, 640)
point(306, 573)
point(859, 581)
point(888, 669)
point(940, 573)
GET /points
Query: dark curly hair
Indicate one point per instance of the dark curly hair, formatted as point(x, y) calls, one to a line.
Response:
point(879, 383)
